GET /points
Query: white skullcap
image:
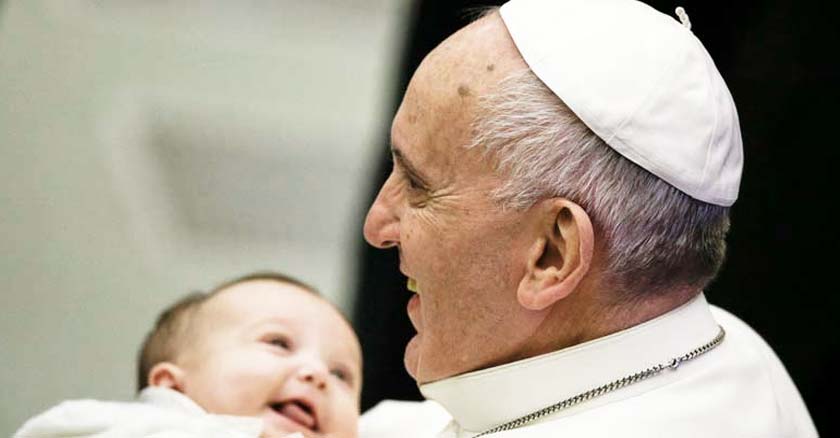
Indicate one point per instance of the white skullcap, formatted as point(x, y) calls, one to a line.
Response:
point(642, 82)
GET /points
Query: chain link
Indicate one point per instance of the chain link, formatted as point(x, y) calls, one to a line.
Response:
point(609, 387)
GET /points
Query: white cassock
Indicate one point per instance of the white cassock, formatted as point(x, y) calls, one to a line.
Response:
point(158, 413)
point(738, 389)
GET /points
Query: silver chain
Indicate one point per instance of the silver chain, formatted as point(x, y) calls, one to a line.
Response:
point(609, 387)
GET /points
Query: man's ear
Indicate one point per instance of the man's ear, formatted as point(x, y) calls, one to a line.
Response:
point(167, 375)
point(560, 256)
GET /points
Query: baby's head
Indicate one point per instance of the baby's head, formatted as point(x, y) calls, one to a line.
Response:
point(266, 346)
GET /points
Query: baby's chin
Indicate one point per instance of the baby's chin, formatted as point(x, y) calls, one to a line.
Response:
point(281, 433)
point(266, 434)
point(273, 432)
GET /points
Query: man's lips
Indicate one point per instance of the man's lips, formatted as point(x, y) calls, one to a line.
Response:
point(414, 313)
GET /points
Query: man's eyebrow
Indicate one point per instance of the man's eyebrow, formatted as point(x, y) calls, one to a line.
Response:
point(409, 168)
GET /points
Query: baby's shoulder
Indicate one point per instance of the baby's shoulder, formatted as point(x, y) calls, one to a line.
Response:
point(82, 418)
point(136, 419)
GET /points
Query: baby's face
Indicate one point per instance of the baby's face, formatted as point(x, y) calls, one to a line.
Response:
point(277, 352)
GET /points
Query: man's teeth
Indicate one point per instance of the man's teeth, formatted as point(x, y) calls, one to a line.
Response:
point(412, 285)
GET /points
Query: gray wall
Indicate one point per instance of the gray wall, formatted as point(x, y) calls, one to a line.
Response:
point(152, 150)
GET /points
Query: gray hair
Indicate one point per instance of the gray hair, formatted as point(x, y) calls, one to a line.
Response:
point(655, 237)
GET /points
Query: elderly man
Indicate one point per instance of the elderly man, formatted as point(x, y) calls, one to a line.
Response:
point(563, 171)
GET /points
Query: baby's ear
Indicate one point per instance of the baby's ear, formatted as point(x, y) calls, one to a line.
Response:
point(166, 375)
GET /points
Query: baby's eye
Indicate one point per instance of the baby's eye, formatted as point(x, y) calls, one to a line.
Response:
point(281, 342)
point(341, 374)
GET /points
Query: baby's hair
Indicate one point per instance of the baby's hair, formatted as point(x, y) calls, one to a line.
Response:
point(175, 324)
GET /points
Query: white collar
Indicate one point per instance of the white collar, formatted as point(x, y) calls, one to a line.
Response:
point(485, 398)
point(169, 399)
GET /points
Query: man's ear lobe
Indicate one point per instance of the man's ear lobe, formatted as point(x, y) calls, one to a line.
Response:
point(559, 258)
point(167, 375)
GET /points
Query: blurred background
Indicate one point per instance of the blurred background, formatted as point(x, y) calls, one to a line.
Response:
point(154, 148)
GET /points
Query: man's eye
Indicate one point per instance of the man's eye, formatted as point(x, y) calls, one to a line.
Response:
point(413, 184)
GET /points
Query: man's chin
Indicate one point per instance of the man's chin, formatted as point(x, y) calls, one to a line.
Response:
point(420, 363)
point(412, 357)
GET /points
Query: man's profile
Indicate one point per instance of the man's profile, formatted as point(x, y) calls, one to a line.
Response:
point(563, 172)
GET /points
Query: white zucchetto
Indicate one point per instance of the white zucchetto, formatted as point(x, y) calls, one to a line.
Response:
point(642, 82)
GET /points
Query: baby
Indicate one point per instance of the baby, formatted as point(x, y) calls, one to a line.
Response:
point(263, 355)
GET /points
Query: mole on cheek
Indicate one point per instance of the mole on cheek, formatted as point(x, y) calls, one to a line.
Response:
point(491, 67)
point(412, 118)
point(463, 90)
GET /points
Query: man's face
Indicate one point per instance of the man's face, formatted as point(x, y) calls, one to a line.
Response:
point(277, 352)
point(464, 252)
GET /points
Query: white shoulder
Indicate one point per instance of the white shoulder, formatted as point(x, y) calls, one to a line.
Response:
point(751, 346)
point(406, 419)
point(753, 349)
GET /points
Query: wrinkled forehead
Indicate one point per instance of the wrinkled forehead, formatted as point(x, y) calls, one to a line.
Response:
point(469, 63)
point(443, 97)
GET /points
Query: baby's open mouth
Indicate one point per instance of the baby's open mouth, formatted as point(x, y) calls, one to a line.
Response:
point(298, 411)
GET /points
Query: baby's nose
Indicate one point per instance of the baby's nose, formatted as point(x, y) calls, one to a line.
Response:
point(313, 375)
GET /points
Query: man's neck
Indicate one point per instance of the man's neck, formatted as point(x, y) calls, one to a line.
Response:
point(586, 317)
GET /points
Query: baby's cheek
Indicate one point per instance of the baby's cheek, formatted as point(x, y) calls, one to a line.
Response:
point(208, 391)
point(346, 416)
point(256, 385)
point(243, 385)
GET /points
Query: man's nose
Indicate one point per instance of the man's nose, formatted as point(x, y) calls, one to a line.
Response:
point(382, 228)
